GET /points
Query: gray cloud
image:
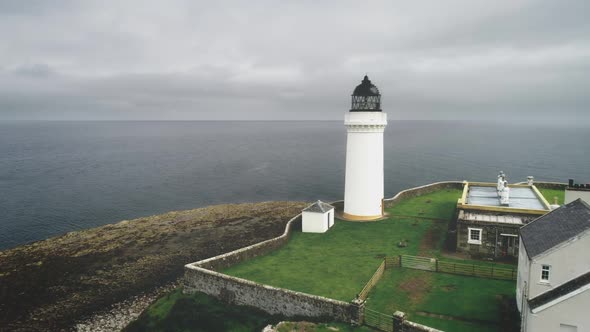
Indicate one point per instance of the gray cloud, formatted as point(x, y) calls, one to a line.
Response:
point(294, 60)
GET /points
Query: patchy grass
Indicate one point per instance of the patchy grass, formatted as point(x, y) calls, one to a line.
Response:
point(444, 301)
point(549, 195)
point(349, 253)
point(440, 205)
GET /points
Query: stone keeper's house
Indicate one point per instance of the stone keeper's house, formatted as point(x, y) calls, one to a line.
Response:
point(553, 284)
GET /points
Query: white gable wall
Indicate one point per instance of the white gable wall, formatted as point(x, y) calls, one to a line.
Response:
point(567, 261)
point(523, 273)
point(317, 222)
point(572, 194)
point(572, 312)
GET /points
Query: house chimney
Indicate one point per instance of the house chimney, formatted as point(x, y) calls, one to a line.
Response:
point(530, 180)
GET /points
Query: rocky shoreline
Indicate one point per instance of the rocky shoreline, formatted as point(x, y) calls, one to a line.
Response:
point(121, 314)
point(102, 278)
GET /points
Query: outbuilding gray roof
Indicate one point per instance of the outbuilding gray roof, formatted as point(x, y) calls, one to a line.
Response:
point(319, 206)
point(555, 227)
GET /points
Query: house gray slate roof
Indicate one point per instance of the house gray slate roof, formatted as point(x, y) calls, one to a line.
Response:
point(319, 206)
point(560, 291)
point(555, 227)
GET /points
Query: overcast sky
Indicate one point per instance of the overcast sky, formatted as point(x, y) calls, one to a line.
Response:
point(177, 60)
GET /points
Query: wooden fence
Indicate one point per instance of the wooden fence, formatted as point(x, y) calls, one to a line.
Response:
point(418, 263)
point(378, 320)
point(373, 281)
point(392, 261)
point(435, 265)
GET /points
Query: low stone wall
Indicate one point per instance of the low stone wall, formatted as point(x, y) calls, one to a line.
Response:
point(548, 185)
point(201, 277)
point(258, 249)
point(400, 324)
point(270, 299)
point(419, 191)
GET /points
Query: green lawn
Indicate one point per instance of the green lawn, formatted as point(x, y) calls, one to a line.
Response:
point(337, 264)
point(465, 303)
point(440, 204)
point(550, 193)
point(349, 253)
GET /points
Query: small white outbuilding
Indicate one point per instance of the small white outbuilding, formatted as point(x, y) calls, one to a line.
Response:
point(317, 218)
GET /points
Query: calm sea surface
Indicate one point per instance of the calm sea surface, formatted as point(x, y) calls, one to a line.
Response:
point(57, 177)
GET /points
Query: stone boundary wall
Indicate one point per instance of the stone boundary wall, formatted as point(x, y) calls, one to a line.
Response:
point(548, 185)
point(418, 191)
point(201, 276)
point(270, 299)
point(258, 249)
point(400, 324)
point(415, 327)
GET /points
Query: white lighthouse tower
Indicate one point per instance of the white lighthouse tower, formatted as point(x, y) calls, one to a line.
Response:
point(365, 124)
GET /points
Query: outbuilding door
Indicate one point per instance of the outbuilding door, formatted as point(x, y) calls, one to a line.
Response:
point(509, 245)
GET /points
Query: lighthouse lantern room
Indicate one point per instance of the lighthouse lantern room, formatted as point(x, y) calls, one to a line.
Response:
point(365, 124)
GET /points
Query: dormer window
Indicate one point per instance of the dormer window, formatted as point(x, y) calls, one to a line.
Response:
point(545, 273)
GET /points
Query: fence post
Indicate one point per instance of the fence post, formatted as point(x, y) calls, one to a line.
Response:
point(436, 265)
point(400, 260)
point(492, 271)
point(398, 321)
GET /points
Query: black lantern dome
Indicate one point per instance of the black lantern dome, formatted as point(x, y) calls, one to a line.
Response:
point(366, 97)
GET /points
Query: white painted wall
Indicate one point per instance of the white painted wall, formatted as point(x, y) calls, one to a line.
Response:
point(363, 189)
point(567, 262)
point(317, 222)
point(572, 195)
point(573, 311)
point(523, 274)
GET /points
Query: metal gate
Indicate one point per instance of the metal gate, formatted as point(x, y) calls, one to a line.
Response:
point(378, 320)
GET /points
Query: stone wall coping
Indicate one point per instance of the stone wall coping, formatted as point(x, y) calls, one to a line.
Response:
point(290, 222)
point(252, 246)
point(421, 187)
point(198, 267)
point(272, 288)
point(421, 327)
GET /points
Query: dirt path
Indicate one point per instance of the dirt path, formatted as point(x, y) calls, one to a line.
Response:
point(52, 284)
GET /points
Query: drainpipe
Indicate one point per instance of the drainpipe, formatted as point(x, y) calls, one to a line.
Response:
point(496, 244)
point(523, 312)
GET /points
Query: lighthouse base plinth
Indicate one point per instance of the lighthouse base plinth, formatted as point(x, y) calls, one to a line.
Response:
point(352, 217)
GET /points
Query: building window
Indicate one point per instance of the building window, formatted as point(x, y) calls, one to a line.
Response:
point(474, 236)
point(545, 273)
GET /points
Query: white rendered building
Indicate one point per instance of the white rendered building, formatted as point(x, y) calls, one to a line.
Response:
point(574, 191)
point(365, 124)
point(317, 218)
point(553, 283)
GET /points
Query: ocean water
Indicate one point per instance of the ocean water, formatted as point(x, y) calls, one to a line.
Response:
point(57, 177)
